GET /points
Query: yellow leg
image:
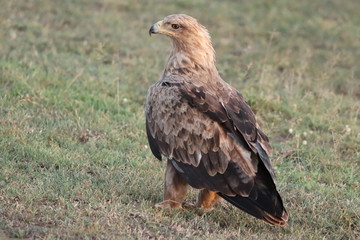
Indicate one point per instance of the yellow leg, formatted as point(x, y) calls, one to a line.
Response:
point(207, 199)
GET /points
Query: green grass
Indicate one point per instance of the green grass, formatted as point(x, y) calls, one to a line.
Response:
point(73, 150)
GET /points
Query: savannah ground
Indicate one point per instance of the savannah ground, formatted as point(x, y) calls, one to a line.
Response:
point(74, 161)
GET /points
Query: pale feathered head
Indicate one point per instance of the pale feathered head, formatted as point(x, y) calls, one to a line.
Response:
point(188, 36)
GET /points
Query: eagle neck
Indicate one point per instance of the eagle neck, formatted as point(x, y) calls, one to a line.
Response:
point(191, 58)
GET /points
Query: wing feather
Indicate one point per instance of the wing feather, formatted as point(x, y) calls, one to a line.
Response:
point(204, 130)
point(152, 142)
point(212, 139)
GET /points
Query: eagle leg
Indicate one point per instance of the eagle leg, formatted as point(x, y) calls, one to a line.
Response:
point(175, 189)
point(207, 199)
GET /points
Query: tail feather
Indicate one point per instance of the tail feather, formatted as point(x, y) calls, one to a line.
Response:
point(263, 202)
point(277, 217)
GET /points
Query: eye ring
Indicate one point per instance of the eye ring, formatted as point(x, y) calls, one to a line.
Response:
point(175, 26)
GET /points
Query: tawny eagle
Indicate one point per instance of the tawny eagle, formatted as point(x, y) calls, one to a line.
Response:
point(206, 130)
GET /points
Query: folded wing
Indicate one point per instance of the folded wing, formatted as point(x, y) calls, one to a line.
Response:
point(212, 139)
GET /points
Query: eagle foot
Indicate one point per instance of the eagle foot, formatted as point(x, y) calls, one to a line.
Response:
point(168, 204)
point(187, 205)
point(205, 208)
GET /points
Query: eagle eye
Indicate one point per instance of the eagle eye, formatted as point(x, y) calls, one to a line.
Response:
point(175, 26)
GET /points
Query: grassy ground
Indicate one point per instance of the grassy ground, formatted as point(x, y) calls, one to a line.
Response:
point(74, 161)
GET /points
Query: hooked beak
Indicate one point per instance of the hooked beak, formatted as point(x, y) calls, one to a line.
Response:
point(156, 28)
point(152, 30)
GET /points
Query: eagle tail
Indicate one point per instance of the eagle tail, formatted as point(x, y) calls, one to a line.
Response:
point(277, 217)
point(263, 202)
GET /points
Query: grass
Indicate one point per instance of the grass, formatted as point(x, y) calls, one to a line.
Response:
point(73, 81)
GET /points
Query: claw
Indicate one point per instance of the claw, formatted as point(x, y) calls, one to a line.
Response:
point(187, 205)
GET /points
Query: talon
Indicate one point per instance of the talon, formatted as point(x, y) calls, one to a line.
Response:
point(205, 209)
point(187, 205)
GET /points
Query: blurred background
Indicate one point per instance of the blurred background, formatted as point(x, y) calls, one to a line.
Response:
point(73, 82)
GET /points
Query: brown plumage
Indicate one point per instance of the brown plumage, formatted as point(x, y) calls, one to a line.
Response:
point(206, 130)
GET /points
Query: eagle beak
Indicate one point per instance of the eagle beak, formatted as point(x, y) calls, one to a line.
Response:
point(155, 28)
point(151, 30)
